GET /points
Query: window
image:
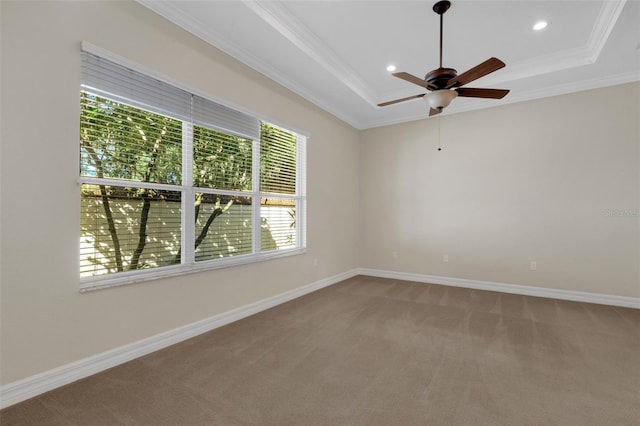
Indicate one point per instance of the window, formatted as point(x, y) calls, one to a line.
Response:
point(172, 182)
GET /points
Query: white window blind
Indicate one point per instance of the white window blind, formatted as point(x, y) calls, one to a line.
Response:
point(110, 80)
point(215, 116)
point(172, 182)
point(278, 148)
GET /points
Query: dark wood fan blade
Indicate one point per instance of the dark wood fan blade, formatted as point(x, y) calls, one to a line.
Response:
point(470, 92)
point(434, 111)
point(401, 100)
point(411, 79)
point(487, 67)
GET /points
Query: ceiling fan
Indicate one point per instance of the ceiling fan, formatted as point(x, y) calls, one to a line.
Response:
point(445, 83)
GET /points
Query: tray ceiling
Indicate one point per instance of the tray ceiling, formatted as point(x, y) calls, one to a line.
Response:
point(335, 53)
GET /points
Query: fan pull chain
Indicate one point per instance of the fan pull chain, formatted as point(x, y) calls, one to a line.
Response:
point(439, 149)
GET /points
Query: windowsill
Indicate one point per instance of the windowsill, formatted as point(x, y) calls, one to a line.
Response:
point(124, 278)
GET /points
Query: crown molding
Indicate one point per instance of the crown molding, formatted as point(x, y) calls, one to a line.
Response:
point(290, 27)
point(570, 58)
point(475, 104)
point(558, 61)
point(295, 31)
point(607, 18)
point(168, 10)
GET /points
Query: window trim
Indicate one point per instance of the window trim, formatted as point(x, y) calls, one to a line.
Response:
point(141, 275)
point(188, 263)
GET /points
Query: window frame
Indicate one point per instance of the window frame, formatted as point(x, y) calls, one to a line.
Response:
point(188, 263)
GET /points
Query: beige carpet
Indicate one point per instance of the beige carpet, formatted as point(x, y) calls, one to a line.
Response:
point(371, 351)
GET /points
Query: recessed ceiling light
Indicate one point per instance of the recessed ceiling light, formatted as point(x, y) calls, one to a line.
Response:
point(540, 25)
point(391, 68)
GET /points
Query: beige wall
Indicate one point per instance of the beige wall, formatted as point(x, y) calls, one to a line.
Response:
point(554, 180)
point(522, 182)
point(46, 322)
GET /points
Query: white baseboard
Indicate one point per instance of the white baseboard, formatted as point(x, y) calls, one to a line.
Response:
point(29, 387)
point(576, 296)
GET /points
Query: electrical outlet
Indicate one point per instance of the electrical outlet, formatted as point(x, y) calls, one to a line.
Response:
point(534, 265)
point(394, 254)
point(445, 258)
point(315, 262)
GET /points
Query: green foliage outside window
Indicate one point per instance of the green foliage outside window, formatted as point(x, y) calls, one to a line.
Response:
point(129, 226)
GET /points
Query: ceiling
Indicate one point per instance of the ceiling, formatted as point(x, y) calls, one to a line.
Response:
point(335, 53)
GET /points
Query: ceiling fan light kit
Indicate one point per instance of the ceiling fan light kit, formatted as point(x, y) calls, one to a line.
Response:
point(445, 84)
point(440, 98)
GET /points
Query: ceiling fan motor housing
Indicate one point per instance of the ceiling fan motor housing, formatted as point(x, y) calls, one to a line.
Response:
point(439, 77)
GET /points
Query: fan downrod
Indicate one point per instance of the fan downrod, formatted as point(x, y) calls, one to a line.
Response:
point(441, 7)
